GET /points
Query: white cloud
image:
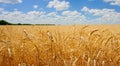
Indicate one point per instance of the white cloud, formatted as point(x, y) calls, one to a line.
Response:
point(84, 9)
point(1, 9)
point(71, 13)
point(98, 12)
point(58, 5)
point(11, 1)
point(35, 6)
point(73, 17)
point(43, 17)
point(104, 15)
point(113, 2)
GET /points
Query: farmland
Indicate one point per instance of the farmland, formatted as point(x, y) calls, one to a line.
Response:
point(77, 45)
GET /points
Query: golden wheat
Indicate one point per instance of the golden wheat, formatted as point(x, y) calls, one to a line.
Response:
point(60, 45)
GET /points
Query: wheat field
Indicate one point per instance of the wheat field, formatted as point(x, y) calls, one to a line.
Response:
point(76, 45)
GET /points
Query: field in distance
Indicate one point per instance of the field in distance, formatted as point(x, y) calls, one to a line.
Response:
point(76, 45)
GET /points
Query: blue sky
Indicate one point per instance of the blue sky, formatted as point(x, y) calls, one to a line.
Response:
point(61, 11)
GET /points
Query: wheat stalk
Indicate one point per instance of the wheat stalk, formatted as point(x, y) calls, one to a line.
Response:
point(9, 52)
point(88, 62)
point(95, 62)
point(103, 63)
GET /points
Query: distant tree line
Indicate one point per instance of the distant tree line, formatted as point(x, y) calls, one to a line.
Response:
point(3, 22)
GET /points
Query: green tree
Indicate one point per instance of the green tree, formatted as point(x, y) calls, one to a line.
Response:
point(3, 22)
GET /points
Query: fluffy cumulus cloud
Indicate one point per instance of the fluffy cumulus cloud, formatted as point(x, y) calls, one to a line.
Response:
point(98, 12)
point(11, 1)
point(58, 5)
point(104, 15)
point(73, 17)
point(66, 17)
point(113, 2)
point(35, 6)
point(1, 9)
